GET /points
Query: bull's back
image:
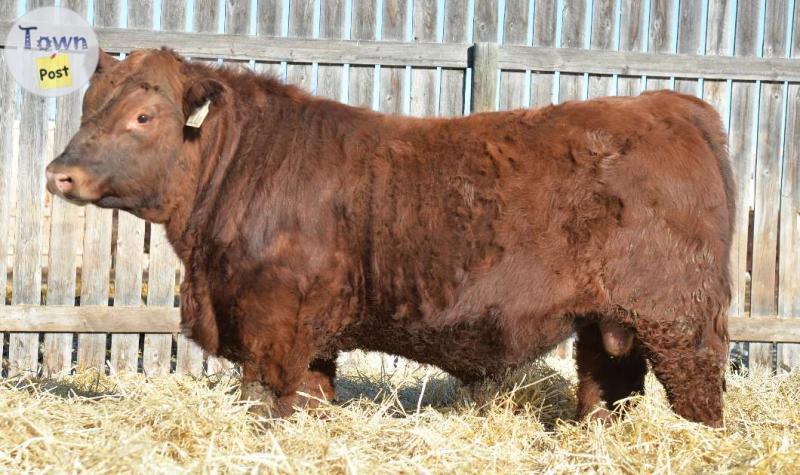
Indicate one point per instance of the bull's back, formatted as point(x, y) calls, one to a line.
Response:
point(546, 189)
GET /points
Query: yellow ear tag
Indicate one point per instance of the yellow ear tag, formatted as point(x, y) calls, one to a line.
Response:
point(198, 116)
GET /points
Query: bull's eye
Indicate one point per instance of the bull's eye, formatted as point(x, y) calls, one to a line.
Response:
point(142, 119)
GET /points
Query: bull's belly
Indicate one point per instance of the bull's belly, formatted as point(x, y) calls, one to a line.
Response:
point(469, 351)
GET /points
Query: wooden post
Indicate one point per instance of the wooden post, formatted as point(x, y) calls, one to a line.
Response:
point(483, 59)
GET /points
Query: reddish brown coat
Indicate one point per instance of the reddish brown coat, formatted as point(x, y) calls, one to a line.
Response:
point(308, 227)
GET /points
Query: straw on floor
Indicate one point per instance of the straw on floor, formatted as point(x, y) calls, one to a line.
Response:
point(402, 422)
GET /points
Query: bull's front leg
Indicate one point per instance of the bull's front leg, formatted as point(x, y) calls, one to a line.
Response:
point(271, 397)
point(281, 367)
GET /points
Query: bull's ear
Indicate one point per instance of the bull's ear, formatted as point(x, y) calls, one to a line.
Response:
point(105, 62)
point(201, 93)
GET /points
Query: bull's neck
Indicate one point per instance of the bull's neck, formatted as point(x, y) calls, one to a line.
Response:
point(209, 157)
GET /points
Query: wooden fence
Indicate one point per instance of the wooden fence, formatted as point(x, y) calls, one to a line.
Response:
point(87, 287)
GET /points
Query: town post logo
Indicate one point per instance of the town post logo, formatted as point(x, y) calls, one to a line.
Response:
point(51, 51)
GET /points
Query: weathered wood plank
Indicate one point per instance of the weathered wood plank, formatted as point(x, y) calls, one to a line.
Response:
point(65, 234)
point(763, 290)
point(515, 31)
point(173, 15)
point(423, 81)
point(689, 40)
point(96, 268)
point(361, 87)
point(743, 150)
point(573, 35)
point(268, 23)
point(716, 92)
point(484, 25)
point(206, 16)
point(631, 39)
point(7, 115)
point(766, 329)
point(89, 319)
point(662, 23)
point(789, 259)
point(301, 25)
point(95, 276)
point(128, 261)
point(104, 319)
point(603, 34)
point(140, 14)
point(157, 350)
point(452, 89)
point(650, 64)
point(200, 45)
point(163, 263)
point(720, 22)
point(128, 268)
point(330, 77)
point(544, 35)
point(23, 348)
point(392, 79)
point(484, 77)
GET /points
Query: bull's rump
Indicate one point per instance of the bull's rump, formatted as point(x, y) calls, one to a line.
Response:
point(512, 218)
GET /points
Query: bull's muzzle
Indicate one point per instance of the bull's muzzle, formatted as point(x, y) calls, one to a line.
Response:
point(69, 182)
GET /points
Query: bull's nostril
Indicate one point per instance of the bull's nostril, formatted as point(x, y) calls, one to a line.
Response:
point(63, 182)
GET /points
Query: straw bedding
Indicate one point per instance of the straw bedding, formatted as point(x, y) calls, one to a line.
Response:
point(97, 423)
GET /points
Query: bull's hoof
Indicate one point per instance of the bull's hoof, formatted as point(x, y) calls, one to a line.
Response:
point(602, 415)
point(262, 399)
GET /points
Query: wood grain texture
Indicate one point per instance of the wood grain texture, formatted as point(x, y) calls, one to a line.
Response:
point(573, 35)
point(452, 88)
point(65, 234)
point(391, 97)
point(544, 34)
point(330, 77)
point(23, 348)
point(484, 77)
point(742, 143)
point(301, 25)
point(513, 84)
point(448, 55)
point(103, 319)
point(268, 23)
point(96, 268)
point(361, 87)
point(789, 252)
point(662, 23)
point(7, 114)
point(128, 267)
point(603, 34)
point(484, 25)
point(423, 80)
point(89, 318)
point(763, 288)
point(631, 38)
point(689, 40)
point(128, 261)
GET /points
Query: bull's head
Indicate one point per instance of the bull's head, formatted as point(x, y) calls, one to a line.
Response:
point(129, 150)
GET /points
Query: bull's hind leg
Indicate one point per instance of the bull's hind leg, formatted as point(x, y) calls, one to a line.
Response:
point(603, 377)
